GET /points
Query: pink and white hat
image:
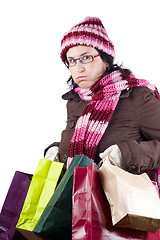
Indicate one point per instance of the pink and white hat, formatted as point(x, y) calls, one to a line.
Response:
point(89, 32)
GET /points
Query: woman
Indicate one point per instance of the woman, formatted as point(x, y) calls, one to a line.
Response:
point(110, 113)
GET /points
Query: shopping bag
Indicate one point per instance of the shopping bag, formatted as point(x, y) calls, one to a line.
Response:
point(88, 201)
point(133, 199)
point(155, 176)
point(91, 216)
point(13, 204)
point(56, 220)
point(41, 189)
point(22, 234)
point(18, 236)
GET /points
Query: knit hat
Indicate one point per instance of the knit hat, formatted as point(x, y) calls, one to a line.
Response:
point(89, 32)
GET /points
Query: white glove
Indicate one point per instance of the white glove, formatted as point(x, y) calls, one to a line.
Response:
point(113, 154)
point(52, 153)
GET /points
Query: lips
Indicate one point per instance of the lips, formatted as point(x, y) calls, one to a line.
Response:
point(80, 78)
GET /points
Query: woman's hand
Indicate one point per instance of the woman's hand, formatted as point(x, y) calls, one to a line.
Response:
point(52, 153)
point(113, 154)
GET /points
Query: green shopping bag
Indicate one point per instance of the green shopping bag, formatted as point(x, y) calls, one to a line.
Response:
point(56, 220)
point(41, 189)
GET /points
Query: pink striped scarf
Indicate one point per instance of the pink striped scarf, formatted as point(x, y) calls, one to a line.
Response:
point(103, 98)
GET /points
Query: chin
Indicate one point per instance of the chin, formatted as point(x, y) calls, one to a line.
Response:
point(84, 85)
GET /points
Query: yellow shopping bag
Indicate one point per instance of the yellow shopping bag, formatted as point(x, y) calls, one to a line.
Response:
point(41, 189)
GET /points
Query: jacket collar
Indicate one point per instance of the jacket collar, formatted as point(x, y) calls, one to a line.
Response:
point(125, 93)
point(71, 95)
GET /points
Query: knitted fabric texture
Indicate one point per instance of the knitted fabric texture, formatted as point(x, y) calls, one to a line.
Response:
point(89, 32)
point(103, 98)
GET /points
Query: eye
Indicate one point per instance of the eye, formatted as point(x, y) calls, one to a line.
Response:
point(86, 57)
point(71, 60)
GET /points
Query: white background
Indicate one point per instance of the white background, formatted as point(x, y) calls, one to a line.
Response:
point(33, 78)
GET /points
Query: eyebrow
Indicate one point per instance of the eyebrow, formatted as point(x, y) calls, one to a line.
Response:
point(80, 55)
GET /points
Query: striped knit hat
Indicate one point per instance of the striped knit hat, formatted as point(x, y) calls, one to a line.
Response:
point(89, 32)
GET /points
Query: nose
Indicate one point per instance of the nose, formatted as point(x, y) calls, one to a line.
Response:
point(80, 67)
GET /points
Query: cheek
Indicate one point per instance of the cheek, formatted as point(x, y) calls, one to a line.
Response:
point(72, 72)
point(98, 72)
point(103, 68)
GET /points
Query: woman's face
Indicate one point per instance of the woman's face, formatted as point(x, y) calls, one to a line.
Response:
point(86, 75)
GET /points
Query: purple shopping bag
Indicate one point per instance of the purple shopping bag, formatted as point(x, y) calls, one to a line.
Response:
point(13, 204)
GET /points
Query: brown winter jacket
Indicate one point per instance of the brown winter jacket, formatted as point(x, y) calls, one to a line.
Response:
point(134, 127)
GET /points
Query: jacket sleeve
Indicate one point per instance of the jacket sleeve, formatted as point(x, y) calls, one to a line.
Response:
point(145, 154)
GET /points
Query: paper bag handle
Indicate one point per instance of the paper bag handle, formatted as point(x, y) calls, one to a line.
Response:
point(107, 158)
